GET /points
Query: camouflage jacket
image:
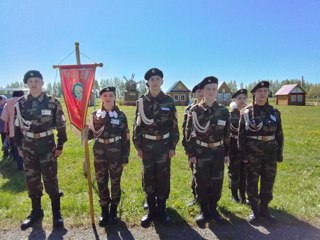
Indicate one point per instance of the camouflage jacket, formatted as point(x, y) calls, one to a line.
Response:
point(219, 128)
point(113, 127)
point(184, 123)
point(234, 121)
point(271, 119)
point(162, 109)
point(45, 113)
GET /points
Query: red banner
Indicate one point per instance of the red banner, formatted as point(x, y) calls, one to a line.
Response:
point(77, 82)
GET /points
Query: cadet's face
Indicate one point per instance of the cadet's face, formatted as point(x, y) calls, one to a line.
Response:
point(210, 91)
point(241, 101)
point(261, 94)
point(108, 98)
point(199, 94)
point(155, 82)
point(35, 84)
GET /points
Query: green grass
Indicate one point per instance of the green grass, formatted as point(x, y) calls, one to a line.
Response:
point(295, 193)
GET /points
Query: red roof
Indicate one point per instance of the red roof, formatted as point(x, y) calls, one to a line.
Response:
point(287, 89)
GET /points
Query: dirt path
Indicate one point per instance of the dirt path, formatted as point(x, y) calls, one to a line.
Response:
point(291, 230)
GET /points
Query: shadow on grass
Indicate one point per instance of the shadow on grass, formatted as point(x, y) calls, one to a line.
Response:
point(286, 227)
point(16, 180)
point(57, 234)
point(177, 229)
point(37, 232)
point(118, 231)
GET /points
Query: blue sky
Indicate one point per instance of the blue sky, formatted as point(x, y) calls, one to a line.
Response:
point(233, 40)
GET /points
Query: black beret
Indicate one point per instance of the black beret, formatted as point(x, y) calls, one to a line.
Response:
point(153, 72)
point(262, 84)
point(18, 93)
point(107, 89)
point(241, 91)
point(195, 88)
point(30, 74)
point(208, 80)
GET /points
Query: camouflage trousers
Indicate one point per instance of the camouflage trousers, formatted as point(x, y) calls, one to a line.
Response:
point(208, 174)
point(35, 165)
point(108, 164)
point(156, 168)
point(263, 165)
point(237, 170)
point(193, 182)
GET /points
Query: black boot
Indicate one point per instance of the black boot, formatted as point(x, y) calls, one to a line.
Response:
point(145, 206)
point(103, 220)
point(255, 214)
point(163, 217)
point(146, 220)
point(204, 214)
point(215, 215)
point(36, 213)
point(56, 214)
point(264, 212)
point(113, 213)
point(243, 199)
point(234, 193)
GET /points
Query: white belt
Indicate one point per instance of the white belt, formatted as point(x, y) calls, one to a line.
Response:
point(109, 140)
point(37, 135)
point(263, 138)
point(158, 137)
point(209, 145)
point(234, 136)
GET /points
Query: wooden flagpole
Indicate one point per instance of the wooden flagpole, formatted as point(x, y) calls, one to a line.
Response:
point(84, 135)
point(86, 164)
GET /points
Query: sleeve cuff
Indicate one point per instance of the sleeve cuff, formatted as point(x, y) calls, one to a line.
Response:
point(59, 147)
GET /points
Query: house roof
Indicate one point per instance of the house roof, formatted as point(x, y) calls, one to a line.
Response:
point(174, 89)
point(287, 89)
point(224, 85)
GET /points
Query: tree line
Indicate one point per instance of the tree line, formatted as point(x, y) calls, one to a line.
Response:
point(312, 89)
point(56, 89)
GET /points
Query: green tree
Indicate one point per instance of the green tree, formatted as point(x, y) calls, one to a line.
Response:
point(233, 86)
point(49, 88)
point(141, 87)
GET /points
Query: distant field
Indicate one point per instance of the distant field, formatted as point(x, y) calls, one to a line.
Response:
point(296, 192)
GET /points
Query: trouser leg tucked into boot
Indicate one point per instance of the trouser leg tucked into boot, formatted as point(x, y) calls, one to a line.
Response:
point(163, 217)
point(36, 213)
point(204, 213)
point(113, 213)
point(243, 197)
point(146, 220)
point(104, 216)
point(214, 214)
point(234, 193)
point(264, 212)
point(255, 214)
point(56, 214)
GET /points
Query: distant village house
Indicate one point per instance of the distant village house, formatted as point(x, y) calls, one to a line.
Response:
point(180, 94)
point(291, 94)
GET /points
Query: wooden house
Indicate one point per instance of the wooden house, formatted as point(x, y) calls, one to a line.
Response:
point(180, 94)
point(291, 94)
point(224, 94)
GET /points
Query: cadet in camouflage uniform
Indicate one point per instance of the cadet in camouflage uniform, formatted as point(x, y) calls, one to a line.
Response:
point(237, 173)
point(199, 95)
point(155, 135)
point(111, 150)
point(37, 114)
point(261, 145)
point(208, 139)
